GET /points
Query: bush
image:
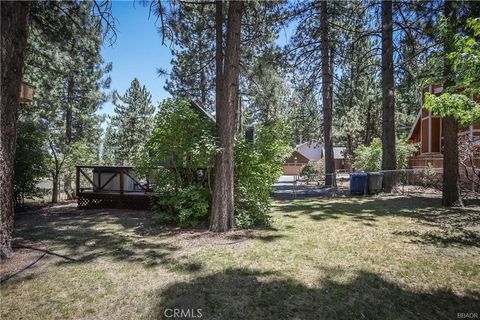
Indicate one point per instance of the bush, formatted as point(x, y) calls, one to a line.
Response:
point(309, 171)
point(186, 206)
point(430, 178)
point(320, 167)
point(31, 162)
point(185, 143)
point(257, 167)
point(369, 158)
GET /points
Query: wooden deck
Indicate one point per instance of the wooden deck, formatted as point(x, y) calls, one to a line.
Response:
point(98, 194)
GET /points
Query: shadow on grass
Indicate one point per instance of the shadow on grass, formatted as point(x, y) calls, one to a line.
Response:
point(243, 294)
point(86, 236)
point(459, 226)
point(123, 235)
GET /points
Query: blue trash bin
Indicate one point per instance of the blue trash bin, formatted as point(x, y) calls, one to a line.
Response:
point(358, 182)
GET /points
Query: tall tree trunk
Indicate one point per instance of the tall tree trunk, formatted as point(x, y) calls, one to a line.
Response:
point(388, 102)
point(218, 56)
point(367, 139)
point(327, 99)
point(69, 111)
point(14, 42)
point(67, 184)
point(55, 184)
point(223, 198)
point(203, 77)
point(203, 89)
point(450, 191)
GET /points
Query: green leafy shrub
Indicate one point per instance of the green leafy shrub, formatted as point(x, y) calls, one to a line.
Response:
point(309, 171)
point(185, 144)
point(188, 206)
point(31, 162)
point(429, 177)
point(320, 167)
point(257, 167)
point(369, 158)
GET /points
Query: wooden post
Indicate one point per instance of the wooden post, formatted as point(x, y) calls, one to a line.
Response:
point(77, 181)
point(121, 181)
point(99, 179)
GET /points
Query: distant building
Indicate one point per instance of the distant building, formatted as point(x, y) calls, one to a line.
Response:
point(427, 133)
point(339, 158)
point(311, 152)
point(294, 164)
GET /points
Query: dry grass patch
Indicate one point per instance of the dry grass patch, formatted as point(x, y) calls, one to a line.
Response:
point(372, 258)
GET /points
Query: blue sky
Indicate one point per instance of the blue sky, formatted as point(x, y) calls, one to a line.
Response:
point(138, 52)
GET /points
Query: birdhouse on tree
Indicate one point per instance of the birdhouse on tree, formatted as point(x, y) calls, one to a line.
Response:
point(26, 92)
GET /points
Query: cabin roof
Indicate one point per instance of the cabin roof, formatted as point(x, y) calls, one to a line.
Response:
point(417, 119)
point(311, 150)
point(315, 151)
point(203, 113)
point(297, 157)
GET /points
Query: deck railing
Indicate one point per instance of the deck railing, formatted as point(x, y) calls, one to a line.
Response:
point(99, 186)
point(119, 189)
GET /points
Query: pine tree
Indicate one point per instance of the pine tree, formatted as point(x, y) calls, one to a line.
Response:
point(108, 147)
point(305, 116)
point(14, 40)
point(193, 66)
point(314, 48)
point(357, 112)
point(223, 196)
point(131, 123)
point(54, 21)
point(267, 91)
point(68, 76)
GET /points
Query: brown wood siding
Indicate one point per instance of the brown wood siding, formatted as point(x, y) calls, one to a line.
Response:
point(339, 164)
point(424, 113)
point(292, 170)
point(435, 135)
point(422, 161)
point(425, 129)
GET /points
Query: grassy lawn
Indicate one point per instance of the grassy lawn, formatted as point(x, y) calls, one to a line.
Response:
point(346, 258)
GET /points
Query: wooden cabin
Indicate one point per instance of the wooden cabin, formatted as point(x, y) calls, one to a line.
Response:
point(311, 152)
point(427, 133)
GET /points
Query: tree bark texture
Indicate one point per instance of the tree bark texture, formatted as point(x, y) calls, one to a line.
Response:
point(388, 102)
point(450, 191)
point(14, 41)
point(55, 184)
point(218, 56)
point(223, 197)
point(327, 97)
point(67, 186)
